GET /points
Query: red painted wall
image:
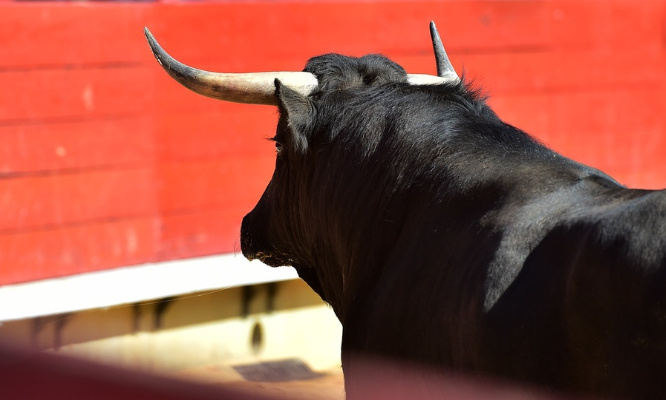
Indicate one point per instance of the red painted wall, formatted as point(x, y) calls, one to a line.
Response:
point(106, 162)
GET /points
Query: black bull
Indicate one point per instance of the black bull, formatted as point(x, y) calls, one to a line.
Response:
point(441, 235)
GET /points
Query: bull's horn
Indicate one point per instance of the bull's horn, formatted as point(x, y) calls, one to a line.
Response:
point(444, 66)
point(424, 79)
point(251, 88)
point(259, 87)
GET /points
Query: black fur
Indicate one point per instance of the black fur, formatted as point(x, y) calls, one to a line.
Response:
point(442, 235)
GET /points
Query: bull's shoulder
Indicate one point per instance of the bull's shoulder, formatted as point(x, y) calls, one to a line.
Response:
point(633, 227)
point(590, 223)
point(626, 223)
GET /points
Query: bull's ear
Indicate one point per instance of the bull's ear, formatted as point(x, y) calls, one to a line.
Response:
point(298, 110)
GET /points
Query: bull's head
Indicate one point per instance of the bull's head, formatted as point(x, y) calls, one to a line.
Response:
point(282, 229)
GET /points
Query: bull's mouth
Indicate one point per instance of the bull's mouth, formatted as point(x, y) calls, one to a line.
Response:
point(270, 259)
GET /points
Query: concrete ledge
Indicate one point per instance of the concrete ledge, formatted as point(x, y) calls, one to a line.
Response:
point(134, 284)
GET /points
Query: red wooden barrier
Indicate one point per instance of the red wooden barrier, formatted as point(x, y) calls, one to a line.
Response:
point(105, 161)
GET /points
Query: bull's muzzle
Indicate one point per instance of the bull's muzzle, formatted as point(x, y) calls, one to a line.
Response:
point(248, 240)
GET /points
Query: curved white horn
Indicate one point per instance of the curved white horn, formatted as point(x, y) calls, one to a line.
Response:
point(251, 88)
point(424, 79)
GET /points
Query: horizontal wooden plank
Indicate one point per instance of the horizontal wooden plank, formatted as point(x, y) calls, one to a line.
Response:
point(74, 198)
point(606, 25)
point(111, 33)
point(71, 145)
point(231, 130)
point(49, 94)
point(43, 254)
point(230, 182)
point(201, 233)
point(228, 129)
point(65, 199)
point(70, 34)
point(46, 96)
point(108, 244)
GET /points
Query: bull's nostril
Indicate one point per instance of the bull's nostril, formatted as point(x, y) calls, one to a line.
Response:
point(248, 247)
point(246, 239)
point(247, 250)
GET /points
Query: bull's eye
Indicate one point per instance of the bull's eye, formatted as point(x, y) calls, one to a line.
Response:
point(278, 147)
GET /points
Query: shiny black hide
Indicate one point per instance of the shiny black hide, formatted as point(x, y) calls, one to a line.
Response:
point(443, 236)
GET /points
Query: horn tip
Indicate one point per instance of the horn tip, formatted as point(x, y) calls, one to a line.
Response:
point(433, 28)
point(154, 47)
point(434, 34)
